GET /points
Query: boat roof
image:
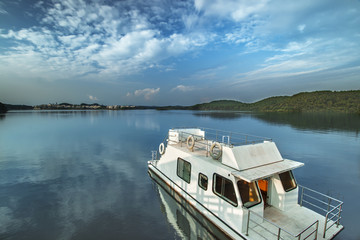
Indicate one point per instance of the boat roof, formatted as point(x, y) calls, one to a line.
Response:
point(264, 171)
point(251, 157)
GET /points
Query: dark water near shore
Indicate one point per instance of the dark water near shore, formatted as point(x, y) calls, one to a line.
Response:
point(83, 174)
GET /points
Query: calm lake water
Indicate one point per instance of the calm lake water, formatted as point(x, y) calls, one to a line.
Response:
point(83, 174)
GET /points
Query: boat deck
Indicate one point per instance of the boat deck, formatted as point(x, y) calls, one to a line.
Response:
point(294, 221)
point(255, 162)
point(201, 147)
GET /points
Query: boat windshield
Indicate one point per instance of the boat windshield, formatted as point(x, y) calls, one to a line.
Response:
point(249, 193)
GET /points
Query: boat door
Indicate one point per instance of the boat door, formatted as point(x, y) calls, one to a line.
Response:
point(264, 188)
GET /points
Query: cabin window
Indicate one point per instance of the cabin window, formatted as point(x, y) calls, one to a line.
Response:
point(249, 193)
point(203, 181)
point(288, 181)
point(184, 170)
point(224, 188)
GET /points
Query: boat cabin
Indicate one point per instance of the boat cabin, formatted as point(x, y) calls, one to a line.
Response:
point(242, 184)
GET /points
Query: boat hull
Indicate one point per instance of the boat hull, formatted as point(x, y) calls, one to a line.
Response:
point(253, 193)
point(217, 228)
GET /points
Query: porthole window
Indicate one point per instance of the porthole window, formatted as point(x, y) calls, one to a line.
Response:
point(203, 181)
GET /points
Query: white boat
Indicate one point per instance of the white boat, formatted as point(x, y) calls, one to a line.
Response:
point(242, 186)
point(185, 220)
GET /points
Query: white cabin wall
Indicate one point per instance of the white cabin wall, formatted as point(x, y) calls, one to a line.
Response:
point(228, 157)
point(168, 165)
point(206, 165)
point(277, 193)
point(220, 207)
point(224, 210)
point(258, 209)
point(291, 198)
point(279, 198)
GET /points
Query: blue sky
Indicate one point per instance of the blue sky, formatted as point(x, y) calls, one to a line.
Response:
point(167, 52)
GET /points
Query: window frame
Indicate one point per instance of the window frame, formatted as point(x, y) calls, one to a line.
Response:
point(177, 169)
point(199, 181)
point(258, 193)
point(292, 178)
point(235, 204)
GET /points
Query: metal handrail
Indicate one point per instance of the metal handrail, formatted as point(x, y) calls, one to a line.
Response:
point(233, 138)
point(332, 211)
point(329, 210)
point(154, 155)
point(319, 193)
point(281, 229)
point(315, 231)
point(337, 221)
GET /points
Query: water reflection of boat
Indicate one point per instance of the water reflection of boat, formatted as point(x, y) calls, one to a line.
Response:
point(186, 221)
point(242, 186)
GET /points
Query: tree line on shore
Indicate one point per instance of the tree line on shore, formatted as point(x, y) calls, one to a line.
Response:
point(3, 109)
point(318, 101)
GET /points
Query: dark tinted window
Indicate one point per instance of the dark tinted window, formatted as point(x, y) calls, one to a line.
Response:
point(184, 170)
point(224, 188)
point(203, 181)
point(249, 193)
point(287, 180)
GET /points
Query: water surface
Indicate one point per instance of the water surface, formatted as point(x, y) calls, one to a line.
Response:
point(83, 174)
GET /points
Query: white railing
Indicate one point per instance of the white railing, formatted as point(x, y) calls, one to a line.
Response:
point(226, 137)
point(154, 155)
point(277, 231)
point(328, 206)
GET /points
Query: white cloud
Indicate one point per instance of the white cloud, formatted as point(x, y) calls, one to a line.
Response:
point(242, 34)
point(300, 58)
point(118, 40)
point(299, 46)
point(237, 10)
point(183, 88)
point(301, 27)
point(148, 93)
point(206, 75)
point(78, 38)
point(180, 43)
point(191, 21)
point(93, 98)
point(2, 10)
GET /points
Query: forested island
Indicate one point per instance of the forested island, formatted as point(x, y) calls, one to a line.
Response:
point(318, 101)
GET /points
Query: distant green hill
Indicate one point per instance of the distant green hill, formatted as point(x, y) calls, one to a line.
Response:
point(222, 105)
point(319, 101)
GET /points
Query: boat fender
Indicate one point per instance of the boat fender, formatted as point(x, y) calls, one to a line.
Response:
point(190, 142)
point(162, 148)
point(216, 154)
